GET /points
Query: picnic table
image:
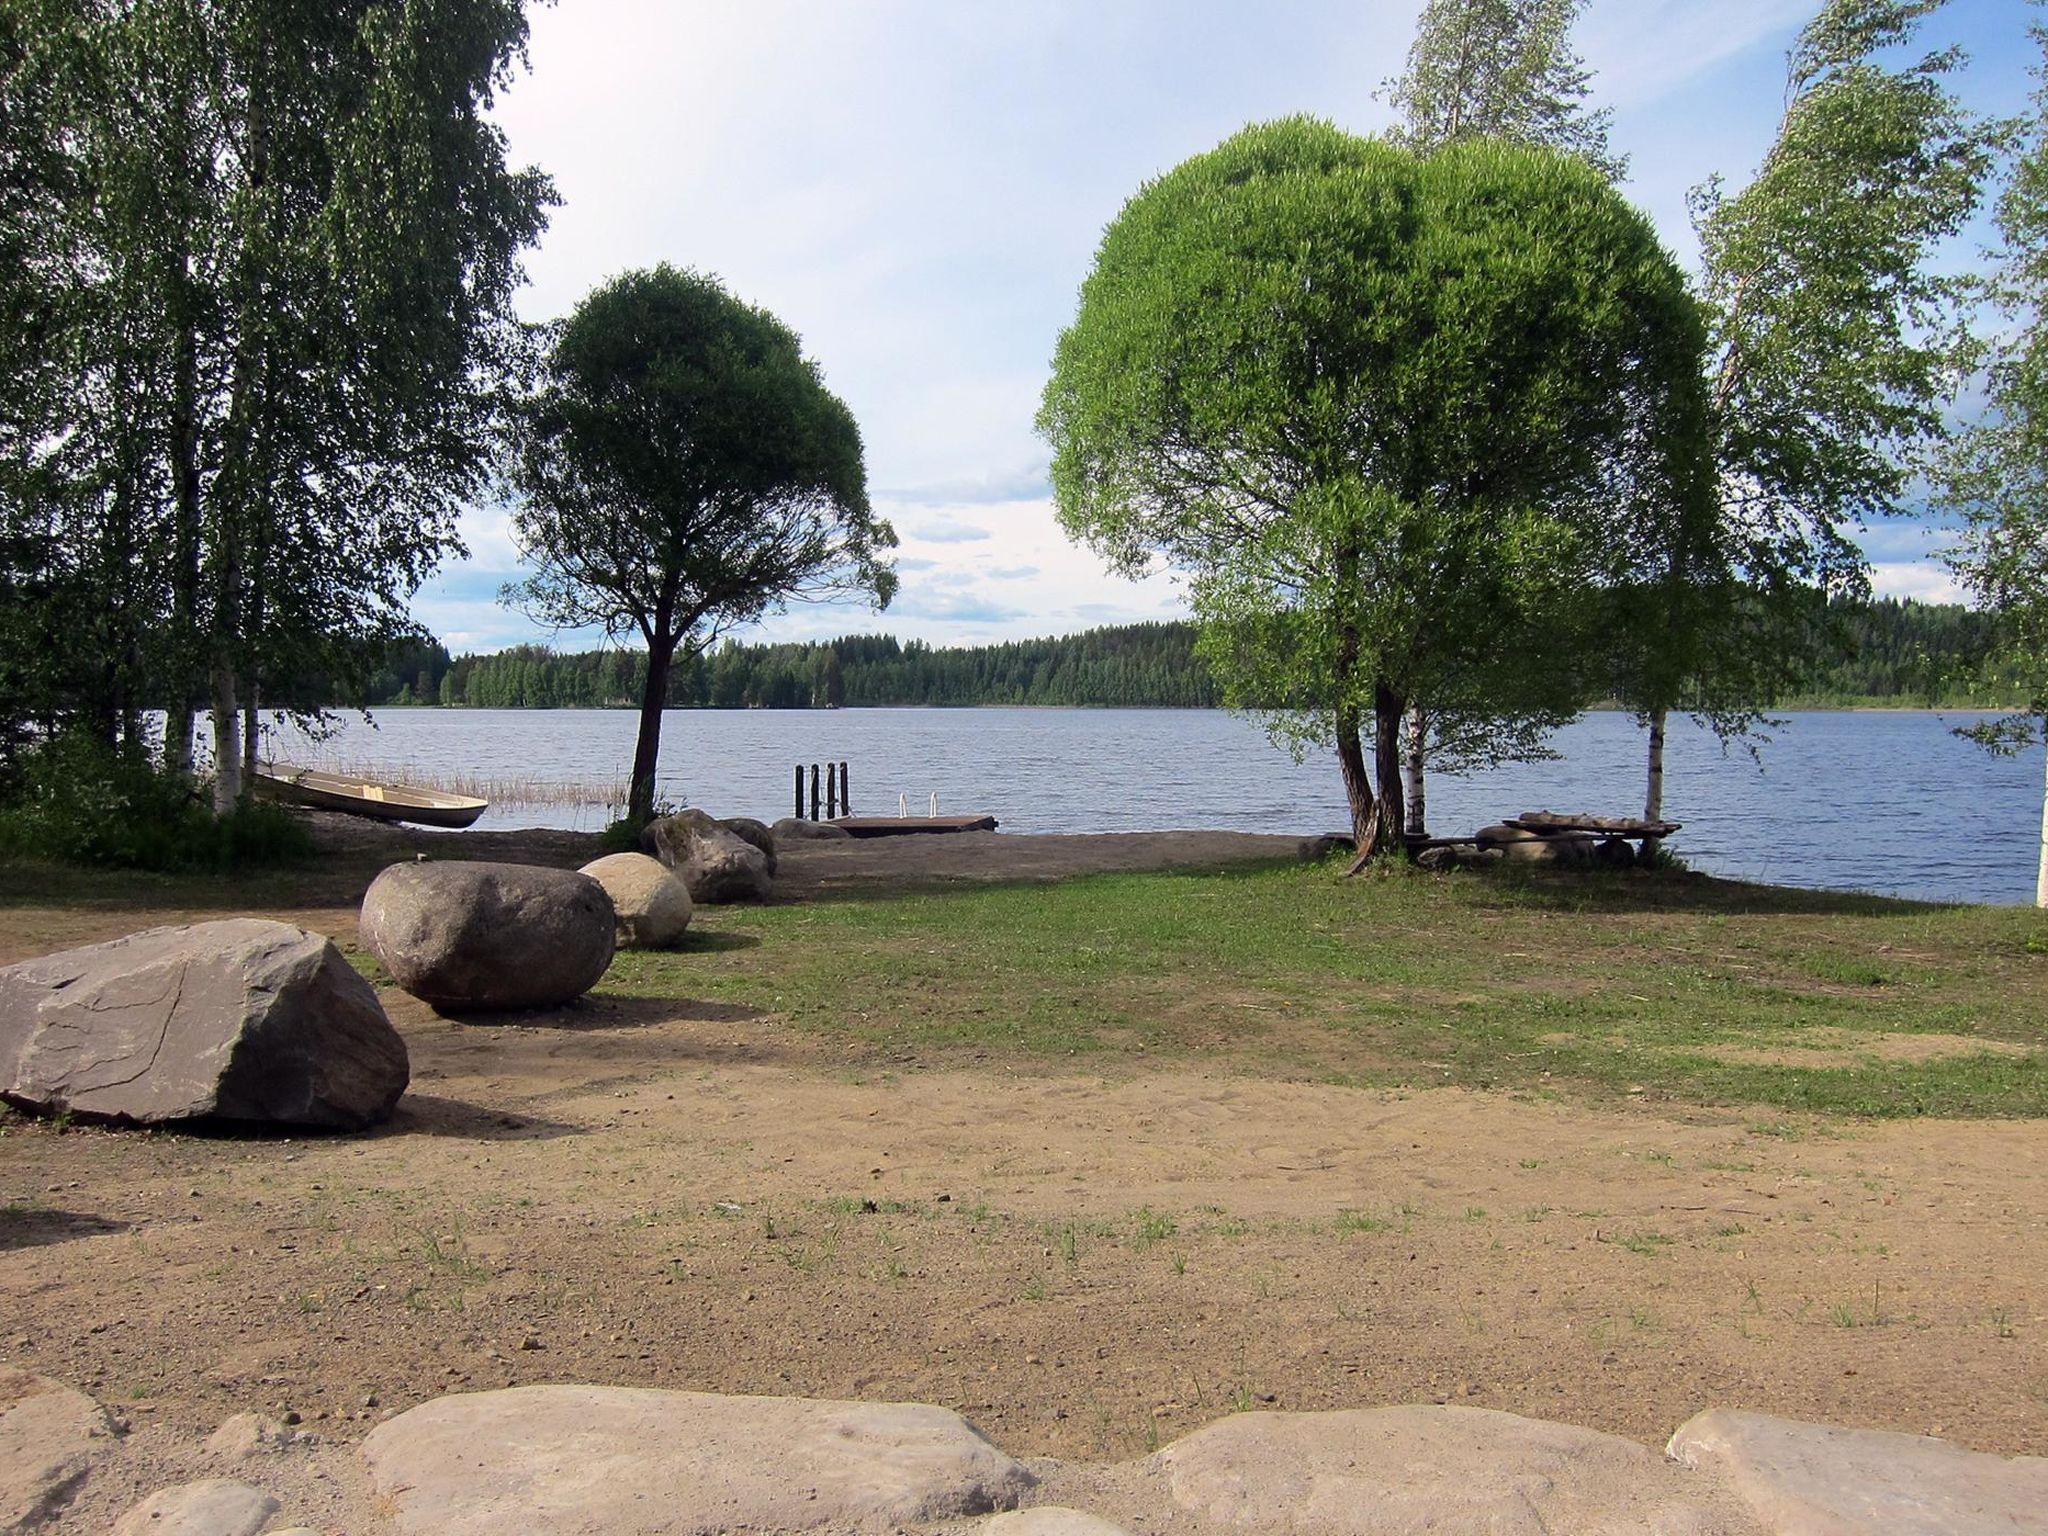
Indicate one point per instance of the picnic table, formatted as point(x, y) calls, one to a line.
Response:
point(1545, 823)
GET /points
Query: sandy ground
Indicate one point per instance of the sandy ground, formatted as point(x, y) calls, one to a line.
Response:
point(691, 1195)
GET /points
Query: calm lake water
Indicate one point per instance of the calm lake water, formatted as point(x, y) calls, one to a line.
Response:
point(1888, 802)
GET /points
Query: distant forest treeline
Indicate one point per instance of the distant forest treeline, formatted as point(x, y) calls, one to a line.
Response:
point(1900, 653)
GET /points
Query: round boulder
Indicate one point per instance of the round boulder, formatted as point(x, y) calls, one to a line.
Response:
point(464, 936)
point(652, 905)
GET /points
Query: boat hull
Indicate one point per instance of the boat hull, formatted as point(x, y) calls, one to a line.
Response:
point(378, 802)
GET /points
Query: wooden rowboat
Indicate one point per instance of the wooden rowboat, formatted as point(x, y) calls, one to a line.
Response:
point(365, 797)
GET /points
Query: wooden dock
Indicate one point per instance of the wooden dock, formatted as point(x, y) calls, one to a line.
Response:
point(899, 826)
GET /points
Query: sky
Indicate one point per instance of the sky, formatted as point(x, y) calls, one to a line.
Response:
point(917, 187)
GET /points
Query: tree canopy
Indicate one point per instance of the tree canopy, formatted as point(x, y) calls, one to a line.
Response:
point(682, 469)
point(1393, 415)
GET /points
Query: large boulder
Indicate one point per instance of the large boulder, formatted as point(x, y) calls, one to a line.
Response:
point(235, 1020)
point(755, 834)
point(550, 1461)
point(794, 828)
point(50, 1437)
point(1818, 1480)
point(650, 901)
point(1407, 1471)
point(716, 863)
point(465, 936)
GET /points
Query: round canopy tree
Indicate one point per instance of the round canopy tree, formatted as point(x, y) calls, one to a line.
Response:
point(683, 469)
point(1393, 416)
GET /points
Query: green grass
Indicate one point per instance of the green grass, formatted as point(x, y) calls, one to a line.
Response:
point(1579, 987)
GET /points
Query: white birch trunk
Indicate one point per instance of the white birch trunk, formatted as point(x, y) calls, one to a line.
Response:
point(1653, 797)
point(227, 743)
point(2041, 879)
point(1414, 769)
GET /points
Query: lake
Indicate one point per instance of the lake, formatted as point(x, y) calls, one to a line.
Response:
point(1886, 801)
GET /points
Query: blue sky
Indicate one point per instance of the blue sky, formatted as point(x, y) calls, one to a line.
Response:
point(917, 187)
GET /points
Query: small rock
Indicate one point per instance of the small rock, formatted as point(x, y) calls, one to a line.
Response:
point(215, 1507)
point(249, 1435)
point(1818, 1480)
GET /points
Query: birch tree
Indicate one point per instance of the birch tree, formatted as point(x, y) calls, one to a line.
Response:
point(1996, 477)
point(285, 246)
point(1836, 344)
point(1501, 69)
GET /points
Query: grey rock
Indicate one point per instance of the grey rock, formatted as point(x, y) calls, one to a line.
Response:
point(50, 1437)
point(247, 1436)
point(755, 834)
point(793, 829)
point(238, 1020)
point(1406, 1471)
point(1615, 853)
point(651, 903)
point(1437, 860)
point(552, 1461)
point(1500, 834)
point(716, 864)
point(215, 1507)
point(1049, 1520)
point(465, 937)
point(1818, 1480)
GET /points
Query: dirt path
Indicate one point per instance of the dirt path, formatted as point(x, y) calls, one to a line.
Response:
point(1083, 1265)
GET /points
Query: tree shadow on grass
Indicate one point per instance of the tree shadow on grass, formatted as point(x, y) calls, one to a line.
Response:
point(28, 1227)
point(614, 1010)
point(1678, 891)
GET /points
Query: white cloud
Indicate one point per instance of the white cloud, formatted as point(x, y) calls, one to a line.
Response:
point(1920, 579)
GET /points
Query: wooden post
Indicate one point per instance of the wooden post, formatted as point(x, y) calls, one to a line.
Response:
point(814, 791)
point(798, 813)
point(845, 794)
point(831, 791)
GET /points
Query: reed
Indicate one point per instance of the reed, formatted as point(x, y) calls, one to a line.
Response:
point(511, 792)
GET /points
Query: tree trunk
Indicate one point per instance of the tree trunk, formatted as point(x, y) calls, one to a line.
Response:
point(1365, 816)
point(1653, 796)
point(1387, 709)
point(1413, 764)
point(184, 643)
point(647, 750)
point(227, 745)
point(2041, 880)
